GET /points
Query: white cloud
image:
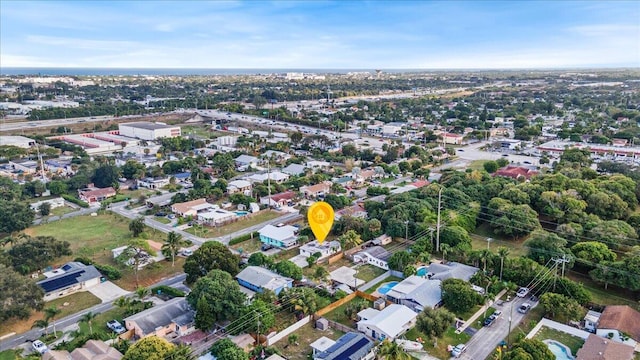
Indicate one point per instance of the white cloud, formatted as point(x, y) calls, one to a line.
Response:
point(84, 44)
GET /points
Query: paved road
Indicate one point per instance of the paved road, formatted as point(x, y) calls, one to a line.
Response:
point(58, 122)
point(487, 339)
point(18, 339)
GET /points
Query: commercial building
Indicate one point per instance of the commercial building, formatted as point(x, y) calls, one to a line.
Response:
point(148, 130)
point(19, 141)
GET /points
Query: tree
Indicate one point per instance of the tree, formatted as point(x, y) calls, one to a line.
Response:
point(221, 292)
point(149, 348)
point(544, 245)
point(135, 254)
point(136, 226)
point(211, 255)
point(205, 318)
point(50, 313)
point(490, 166)
point(581, 157)
point(16, 216)
point(561, 306)
point(321, 273)
point(88, 318)
point(41, 324)
point(105, 176)
point(391, 350)
point(458, 296)
point(530, 349)
point(225, 349)
point(57, 187)
point(445, 248)
point(399, 260)
point(35, 253)
point(260, 259)
point(503, 252)
point(349, 240)
point(259, 101)
point(296, 137)
point(455, 236)
point(133, 169)
point(9, 190)
point(289, 269)
point(44, 209)
point(434, 322)
point(173, 245)
point(591, 253)
point(259, 317)
point(19, 295)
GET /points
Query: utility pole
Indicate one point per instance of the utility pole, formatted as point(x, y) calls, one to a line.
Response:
point(406, 230)
point(438, 224)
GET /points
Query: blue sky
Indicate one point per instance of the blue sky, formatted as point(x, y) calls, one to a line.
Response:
point(320, 34)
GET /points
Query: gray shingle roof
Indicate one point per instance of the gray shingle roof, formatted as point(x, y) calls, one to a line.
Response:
point(75, 273)
point(263, 278)
point(175, 310)
point(452, 270)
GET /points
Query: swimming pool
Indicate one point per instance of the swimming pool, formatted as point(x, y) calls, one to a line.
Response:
point(423, 271)
point(241, 213)
point(384, 289)
point(559, 350)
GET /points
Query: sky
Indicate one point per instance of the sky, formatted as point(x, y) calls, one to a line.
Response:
point(320, 34)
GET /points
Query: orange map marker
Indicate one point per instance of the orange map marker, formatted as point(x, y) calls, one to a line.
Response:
point(320, 216)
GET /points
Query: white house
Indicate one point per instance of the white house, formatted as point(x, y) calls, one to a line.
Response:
point(54, 203)
point(239, 186)
point(153, 183)
point(246, 161)
point(294, 169)
point(389, 323)
point(215, 216)
point(325, 249)
point(71, 277)
point(375, 255)
point(279, 236)
point(417, 293)
point(275, 177)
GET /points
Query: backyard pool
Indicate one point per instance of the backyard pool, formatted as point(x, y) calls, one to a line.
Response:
point(423, 271)
point(241, 213)
point(384, 289)
point(559, 350)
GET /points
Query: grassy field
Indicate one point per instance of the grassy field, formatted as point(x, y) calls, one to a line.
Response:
point(209, 232)
point(306, 335)
point(574, 343)
point(248, 247)
point(62, 210)
point(338, 314)
point(479, 241)
point(162, 219)
point(369, 272)
point(602, 296)
point(74, 303)
point(9, 355)
point(150, 274)
point(477, 164)
point(440, 351)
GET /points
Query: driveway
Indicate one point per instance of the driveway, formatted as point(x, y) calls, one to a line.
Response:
point(107, 291)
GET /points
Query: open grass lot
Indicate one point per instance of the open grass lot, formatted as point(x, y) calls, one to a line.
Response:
point(369, 272)
point(90, 236)
point(209, 232)
point(440, 351)
point(306, 335)
point(149, 274)
point(75, 302)
point(376, 286)
point(286, 254)
point(479, 242)
point(477, 164)
point(574, 343)
point(467, 314)
point(248, 247)
point(602, 296)
point(338, 314)
point(8, 355)
point(162, 219)
point(62, 210)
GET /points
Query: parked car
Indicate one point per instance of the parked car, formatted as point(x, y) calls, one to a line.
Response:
point(116, 327)
point(524, 308)
point(458, 350)
point(266, 247)
point(161, 214)
point(39, 346)
point(187, 252)
point(522, 292)
point(493, 317)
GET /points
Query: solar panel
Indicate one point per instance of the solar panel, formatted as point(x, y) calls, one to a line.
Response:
point(346, 354)
point(67, 267)
point(61, 282)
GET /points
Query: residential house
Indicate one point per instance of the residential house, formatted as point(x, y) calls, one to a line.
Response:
point(274, 176)
point(239, 186)
point(258, 279)
point(325, 249)
point(70, 278)
point(92, 350)
point(597, 348)
point(388, 323)
point(620, 323)
point(317, 190)
point(92, 194)
point(153, 183)
point(452, 139)
point(279, 236)
point(318, 165)
point(350, 346)
point(190, 208)
point(215, 216)
point(171, 318)
point(356, 211)
point(416, 293)
point(375, 255)
point(438, 271)
point(279, 200)
point(278, 156)
point(591, 320)
point(294, 169)
point(516, 172)
point(246, 161)
point(321, 345)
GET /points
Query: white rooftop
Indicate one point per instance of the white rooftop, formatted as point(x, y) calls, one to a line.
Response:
point(322, 344)
point(278, 233)
point(391, 320)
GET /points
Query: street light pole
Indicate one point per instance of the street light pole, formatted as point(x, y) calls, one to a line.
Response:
point(489, 240)
point(438, 224)
point(406, 230)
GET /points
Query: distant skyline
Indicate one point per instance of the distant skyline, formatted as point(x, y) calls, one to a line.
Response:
point(320, 34)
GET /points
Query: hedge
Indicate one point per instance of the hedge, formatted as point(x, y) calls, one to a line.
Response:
point(243, 238)
point(164, 289)
point(109, 271)
point(74, 200)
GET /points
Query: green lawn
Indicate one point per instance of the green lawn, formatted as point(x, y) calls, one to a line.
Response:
point(306, 335)
point(369, 272)
point(62, 210)
point(602, 296)
point(479, 242)
point(162, 219)
point(249, 246)
point(375, 287)
point(440, 351)
point(338, 314)
point(574, 343)
point(9, 355)
point(477, 164)
point(467, 314)
point(209, 232)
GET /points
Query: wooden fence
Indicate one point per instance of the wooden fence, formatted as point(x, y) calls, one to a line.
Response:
point(329, 308)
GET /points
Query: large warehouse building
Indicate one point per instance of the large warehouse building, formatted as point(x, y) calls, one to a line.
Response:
point(148, 130)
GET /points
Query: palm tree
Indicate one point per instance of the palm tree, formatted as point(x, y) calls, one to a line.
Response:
point(349, 240)
point(42, 324)
point(503, 252)
point(485, 256)
point(444, 248)
point(50, 313)
point(390, 350)
point(142, 292)
point(88, 318)
point(172, 246)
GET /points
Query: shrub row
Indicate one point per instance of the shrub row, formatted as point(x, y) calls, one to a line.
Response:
point(242, 238)
point(74, 200)
point(164, 289)
point(107, 270)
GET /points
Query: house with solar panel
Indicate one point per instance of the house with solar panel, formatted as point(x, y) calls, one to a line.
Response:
point(70, 278)
point(350, 346)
